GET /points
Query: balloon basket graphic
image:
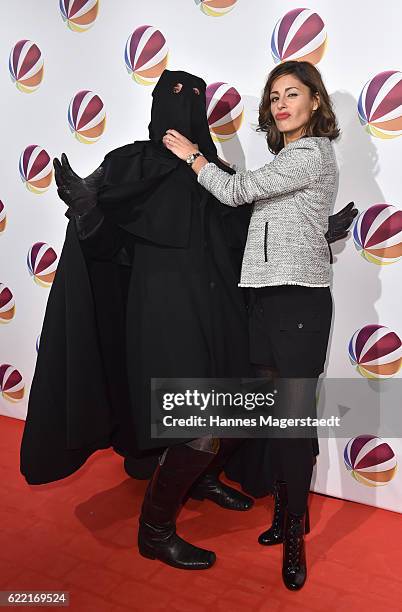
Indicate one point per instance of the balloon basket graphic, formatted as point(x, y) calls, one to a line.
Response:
point(216, 8)
point(153, 76)
point(42, 282)
point(35, 186)
point(84, 136)
point(26, 88)
point(233, 127)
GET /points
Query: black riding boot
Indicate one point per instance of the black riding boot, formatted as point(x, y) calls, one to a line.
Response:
point(157, 539)
point(208, 486)
point(294, 570)
point(275, 534)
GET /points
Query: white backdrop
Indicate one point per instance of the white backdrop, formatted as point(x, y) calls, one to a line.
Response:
point(223, 41)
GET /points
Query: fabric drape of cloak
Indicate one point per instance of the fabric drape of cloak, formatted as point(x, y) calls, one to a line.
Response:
point(176, 311)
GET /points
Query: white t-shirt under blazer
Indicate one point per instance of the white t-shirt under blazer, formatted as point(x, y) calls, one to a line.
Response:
point(292, 197)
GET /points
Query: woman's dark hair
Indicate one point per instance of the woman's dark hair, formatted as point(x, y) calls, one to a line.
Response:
point(322, 121)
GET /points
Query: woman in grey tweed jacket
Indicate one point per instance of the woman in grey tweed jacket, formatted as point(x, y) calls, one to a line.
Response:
point(286, 263)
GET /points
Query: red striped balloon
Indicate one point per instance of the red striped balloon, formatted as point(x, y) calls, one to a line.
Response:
point(42, 263)
point(7, 304)
point(79, 15)
point(225, 110)
point(370, 460)
point(146, 55)
point(380, 104)
point(3, 217)
point(26, 65)
point(87, 116)
point(376, 351)
point(12, 384)
point(36, 169)
point(377, 234)
point(299, 35)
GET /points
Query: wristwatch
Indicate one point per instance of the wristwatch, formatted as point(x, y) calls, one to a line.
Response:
point(191, 158)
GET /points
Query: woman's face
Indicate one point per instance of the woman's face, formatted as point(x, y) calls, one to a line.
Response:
point(291, 106)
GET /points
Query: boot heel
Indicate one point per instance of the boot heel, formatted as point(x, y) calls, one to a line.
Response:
point(307, 522)
point(146, 551)
point(147, 554)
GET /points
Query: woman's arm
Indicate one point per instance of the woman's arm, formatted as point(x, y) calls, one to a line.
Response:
point(293, 169)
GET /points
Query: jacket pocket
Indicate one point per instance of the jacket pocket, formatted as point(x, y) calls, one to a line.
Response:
point(303, 322)
point(266, 241)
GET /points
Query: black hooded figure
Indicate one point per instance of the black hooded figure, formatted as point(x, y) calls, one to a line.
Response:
point(146, 286)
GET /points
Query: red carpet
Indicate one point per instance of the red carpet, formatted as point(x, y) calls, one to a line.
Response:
point(79, 535)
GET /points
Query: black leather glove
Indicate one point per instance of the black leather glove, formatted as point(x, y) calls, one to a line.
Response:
point(80, 194)
point(339, 224)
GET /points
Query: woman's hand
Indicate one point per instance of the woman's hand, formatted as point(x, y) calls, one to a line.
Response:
point(178, 144)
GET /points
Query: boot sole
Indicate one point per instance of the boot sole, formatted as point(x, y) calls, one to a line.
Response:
point(270, 543)
point(151, 555)
point(214, 501)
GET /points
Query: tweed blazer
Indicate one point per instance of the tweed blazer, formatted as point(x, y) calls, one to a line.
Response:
point(292, 197)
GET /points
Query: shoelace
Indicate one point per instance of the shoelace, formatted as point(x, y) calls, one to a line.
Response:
point(276, 523)
point(294, 548)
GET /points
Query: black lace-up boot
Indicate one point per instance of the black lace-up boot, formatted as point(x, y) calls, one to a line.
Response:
point(294, 569)
point(275, 534)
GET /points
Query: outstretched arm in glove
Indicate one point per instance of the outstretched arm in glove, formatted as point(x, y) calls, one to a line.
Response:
point(100, 238)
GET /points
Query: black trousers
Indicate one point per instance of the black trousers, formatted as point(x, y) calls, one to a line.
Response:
point(289, 331)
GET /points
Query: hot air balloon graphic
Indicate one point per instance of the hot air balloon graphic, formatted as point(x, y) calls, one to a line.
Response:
point(3, 217)
point(7, 304)
point(36, 169)
point(86, 116)
point(12, 385)
point(370, 460)
point(380, 105)
point(146, 55)
point(42, 263)
point(377, 234)
point(225, 110)
point(26, 65)
point(79, 15)
point(376, 351)
point(299, 35)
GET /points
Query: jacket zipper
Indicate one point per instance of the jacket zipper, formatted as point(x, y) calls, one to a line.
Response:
point(266, 241)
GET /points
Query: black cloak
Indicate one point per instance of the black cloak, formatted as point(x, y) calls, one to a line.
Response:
point(153, 292)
